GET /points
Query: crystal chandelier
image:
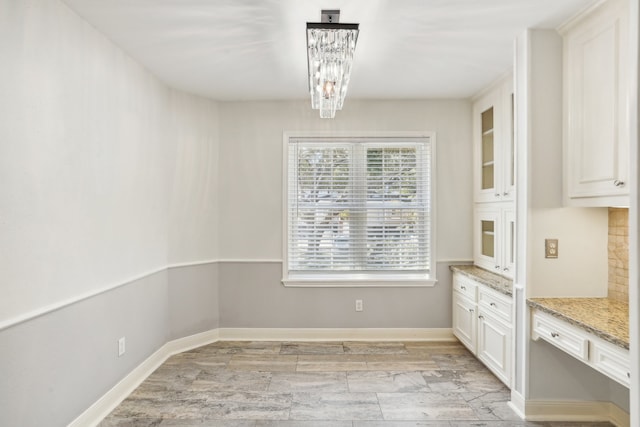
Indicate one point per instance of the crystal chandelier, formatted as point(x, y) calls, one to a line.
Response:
point(330, 49)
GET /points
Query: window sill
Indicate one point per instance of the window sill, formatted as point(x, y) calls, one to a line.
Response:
point(359, 281)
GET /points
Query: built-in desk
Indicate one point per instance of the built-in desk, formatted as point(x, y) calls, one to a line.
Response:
point(593, 330)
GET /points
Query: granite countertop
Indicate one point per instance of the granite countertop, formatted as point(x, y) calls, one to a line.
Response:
point(492, 280)
point(603, 317)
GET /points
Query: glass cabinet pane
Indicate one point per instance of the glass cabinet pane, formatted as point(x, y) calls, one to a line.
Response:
point(487, 149)
point(487, 238)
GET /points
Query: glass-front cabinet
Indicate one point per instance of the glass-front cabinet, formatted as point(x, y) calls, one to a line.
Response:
point(494, 229)
point(494, 145)
point(494, 238)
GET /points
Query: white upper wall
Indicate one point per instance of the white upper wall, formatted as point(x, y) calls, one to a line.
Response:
point(106, 174)
point(581, 266)
point(87, 157)
point(193, 207)
point(251, 169)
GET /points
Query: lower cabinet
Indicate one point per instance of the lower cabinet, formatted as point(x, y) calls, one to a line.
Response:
point(482, 322)
point(465, 321)
point(494, 345)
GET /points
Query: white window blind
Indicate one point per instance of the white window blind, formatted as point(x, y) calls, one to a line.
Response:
point(359, 206)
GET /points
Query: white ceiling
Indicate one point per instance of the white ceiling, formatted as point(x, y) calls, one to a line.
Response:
point(255, 49)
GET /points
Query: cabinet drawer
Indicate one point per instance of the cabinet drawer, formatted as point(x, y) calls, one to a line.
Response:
point(561, 334)
point(465, 286)
point(495, 303)
point(611, 360)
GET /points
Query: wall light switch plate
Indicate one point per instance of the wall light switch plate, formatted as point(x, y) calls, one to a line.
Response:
point(551, 248)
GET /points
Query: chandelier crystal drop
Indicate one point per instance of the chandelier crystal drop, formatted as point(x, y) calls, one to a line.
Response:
point(330, 49)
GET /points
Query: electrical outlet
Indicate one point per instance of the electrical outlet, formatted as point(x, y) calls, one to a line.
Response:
point(121, 346)
point(551, 248)
point(359, 306)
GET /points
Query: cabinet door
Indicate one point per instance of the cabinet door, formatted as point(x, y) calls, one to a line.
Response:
point(494, 346)
point(465, 321)
point(597, 138)
point(486, 240)
point(494, 138)
point(487, 155)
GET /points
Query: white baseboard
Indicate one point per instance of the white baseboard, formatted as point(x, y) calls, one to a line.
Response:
point(336, 334)
point(107, 403)
point(517, 404)
point(538, 410)
point(192, 341)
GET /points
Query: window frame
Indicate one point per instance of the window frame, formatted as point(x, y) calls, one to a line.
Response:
point(373, 279)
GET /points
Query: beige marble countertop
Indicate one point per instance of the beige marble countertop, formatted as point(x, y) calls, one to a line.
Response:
point(492, 280)
point(603, 317)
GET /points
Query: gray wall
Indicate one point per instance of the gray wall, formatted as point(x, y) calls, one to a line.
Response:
point(252, 296)
point(193, 300)
point(57, 365)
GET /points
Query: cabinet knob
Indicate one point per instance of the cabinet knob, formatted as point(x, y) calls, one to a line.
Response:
point(471, 310)
point(480, 317)
point(497, 194)
point(493, 304)
point(497, 267)
point(628, 374)
point(464, 288)
point(555, 334)
point(618, 183)
point(506, 193)
point(505, 269)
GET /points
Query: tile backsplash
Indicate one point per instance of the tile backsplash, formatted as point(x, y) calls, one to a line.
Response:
point(618, 249)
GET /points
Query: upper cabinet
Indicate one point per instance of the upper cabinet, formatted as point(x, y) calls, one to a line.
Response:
point(494, 173)
point(596, 128)
point(494, 238)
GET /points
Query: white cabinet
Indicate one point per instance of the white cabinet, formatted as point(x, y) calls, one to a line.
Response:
point(596, 134)
point(609, 359)
point(482, 322)
point(494, 345)
point(494, 179)
point(494, 238)
point(495, 332)
point(494, 173)
point(564, 336)
point(465, 321)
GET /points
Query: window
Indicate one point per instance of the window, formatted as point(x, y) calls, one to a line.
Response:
point(359, 211)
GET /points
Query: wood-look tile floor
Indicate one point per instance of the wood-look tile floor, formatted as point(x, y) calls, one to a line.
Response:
point(332, 384)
